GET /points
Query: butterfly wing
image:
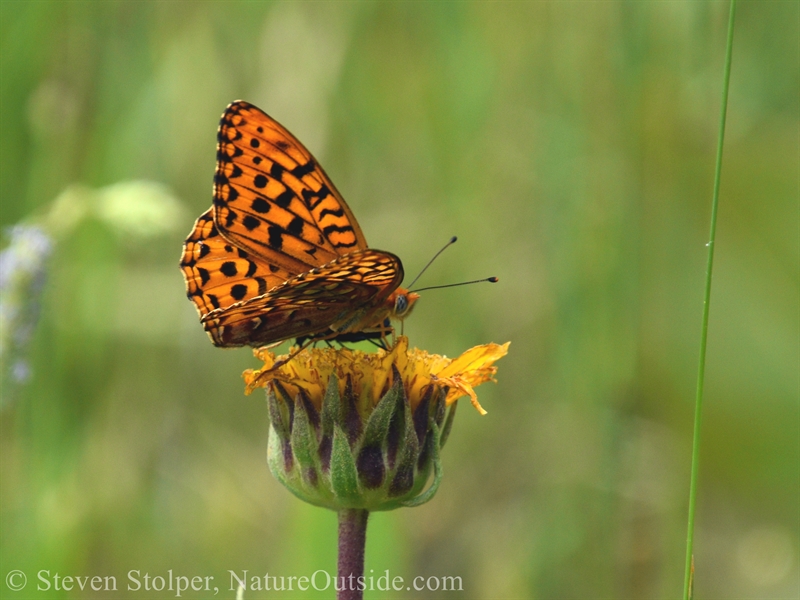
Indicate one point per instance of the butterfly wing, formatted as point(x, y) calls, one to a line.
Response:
point(273, 199)
point(347, 294)
point(280, 254)
point(219, 274)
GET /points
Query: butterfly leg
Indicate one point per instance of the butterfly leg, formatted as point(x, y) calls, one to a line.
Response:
point(386, 330)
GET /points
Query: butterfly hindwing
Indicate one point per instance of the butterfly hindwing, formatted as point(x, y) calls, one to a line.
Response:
point(344, 295)
point(273, 199)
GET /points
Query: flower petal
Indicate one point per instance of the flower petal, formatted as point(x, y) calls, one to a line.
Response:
point(459, 387)
point(475, 358)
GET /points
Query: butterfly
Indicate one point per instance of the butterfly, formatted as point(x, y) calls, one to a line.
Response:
point(280, 255)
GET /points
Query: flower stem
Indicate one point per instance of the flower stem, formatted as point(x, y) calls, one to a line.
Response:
point(689, 571)
point(352, 539)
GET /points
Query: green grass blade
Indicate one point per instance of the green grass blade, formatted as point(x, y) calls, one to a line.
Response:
point(688, 574)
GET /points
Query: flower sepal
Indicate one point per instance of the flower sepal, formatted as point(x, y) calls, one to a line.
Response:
point(347, 457)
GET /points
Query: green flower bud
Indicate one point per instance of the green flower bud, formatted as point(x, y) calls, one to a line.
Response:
point(350, 456)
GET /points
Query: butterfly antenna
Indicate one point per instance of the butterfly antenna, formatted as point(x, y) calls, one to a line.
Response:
point(452, 241)
point(437, 287)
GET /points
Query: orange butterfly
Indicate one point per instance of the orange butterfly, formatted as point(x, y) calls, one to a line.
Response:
point(279, 255)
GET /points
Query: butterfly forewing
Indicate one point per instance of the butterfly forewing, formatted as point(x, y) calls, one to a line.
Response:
point(345, 295)
point(273, 199)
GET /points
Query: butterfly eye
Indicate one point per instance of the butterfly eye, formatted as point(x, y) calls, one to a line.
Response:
point(401, 305)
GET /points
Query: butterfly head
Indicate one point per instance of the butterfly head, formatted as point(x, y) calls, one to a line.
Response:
point(402, 302)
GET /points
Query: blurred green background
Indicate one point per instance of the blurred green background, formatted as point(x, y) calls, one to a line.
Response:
point(569, 145)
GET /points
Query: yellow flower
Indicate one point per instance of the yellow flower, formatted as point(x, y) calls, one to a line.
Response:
point(370, 373)
point(358, 430)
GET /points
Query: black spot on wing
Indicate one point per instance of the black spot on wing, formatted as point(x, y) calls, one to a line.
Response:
point(260, 205)
point(327, 211)
point(232, 194)
point(301, 171)
point(327, 231)
point(260, 181)
point(230, 218)
point(251, 268)
point(313, 199)
point(250, 222)
point(276, 171)
point(275, 237)
point(296, 226)
point(204, 249)
point(285, 198)
point(204, 276)
point(228, 269)
point(238, 291)
point(262, 285)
